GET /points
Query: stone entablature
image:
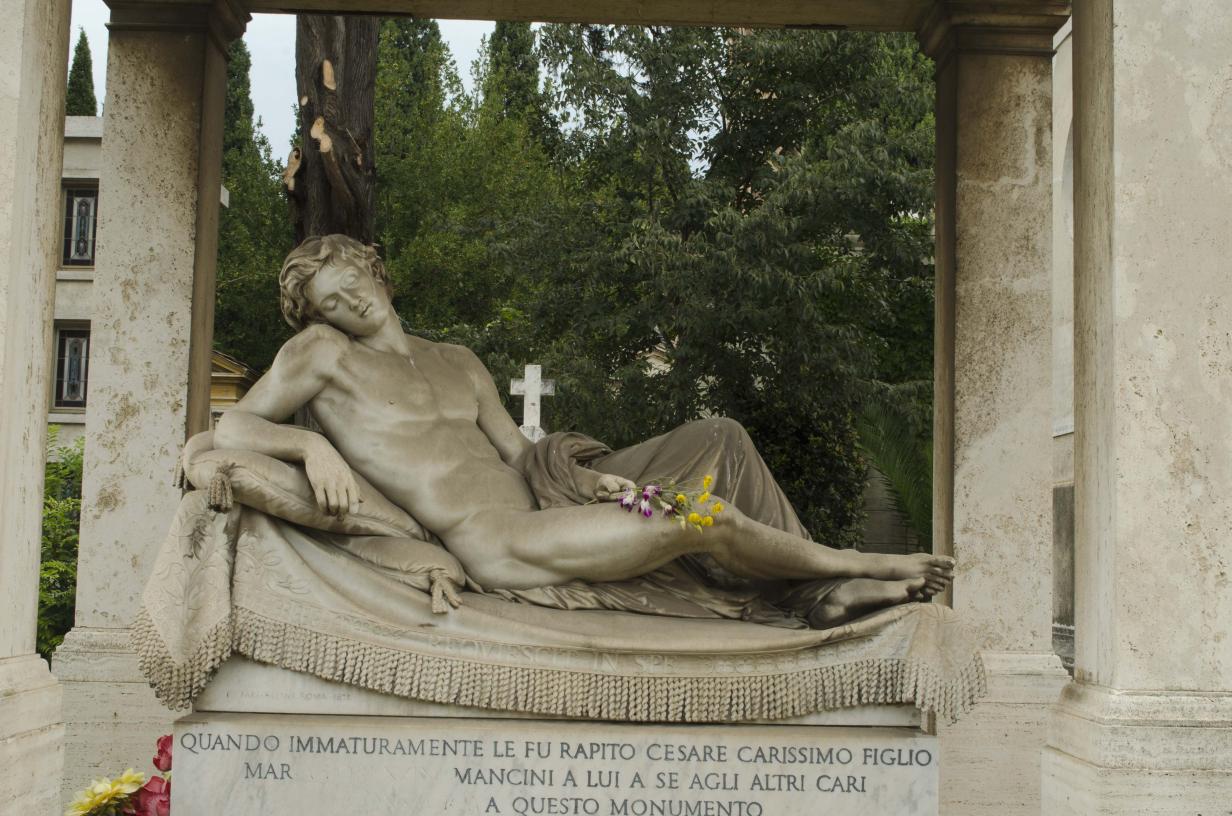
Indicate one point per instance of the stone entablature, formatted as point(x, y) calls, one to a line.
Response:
point(883, 15)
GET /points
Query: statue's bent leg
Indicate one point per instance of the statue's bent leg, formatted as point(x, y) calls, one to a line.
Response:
point(718, 447)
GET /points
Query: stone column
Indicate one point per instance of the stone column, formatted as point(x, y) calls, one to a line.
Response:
point(993, 464)
point(33, 60)
point(1146, 728)
point(149, 363)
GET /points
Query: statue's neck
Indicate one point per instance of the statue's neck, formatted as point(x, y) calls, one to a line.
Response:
point(390, 339)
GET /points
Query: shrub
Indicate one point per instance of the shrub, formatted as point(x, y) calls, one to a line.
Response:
point(61, 520)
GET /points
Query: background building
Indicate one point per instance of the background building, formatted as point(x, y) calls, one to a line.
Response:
point(230, 379)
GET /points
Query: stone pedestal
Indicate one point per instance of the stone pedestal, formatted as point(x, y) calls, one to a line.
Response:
point(1146, 728)
point(112, 716)
point(151, 342)
point(31, 736)
point(260, 742)
point(992, 448)
point(33, 59)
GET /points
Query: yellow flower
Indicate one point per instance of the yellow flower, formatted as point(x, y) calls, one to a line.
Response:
point(707, 521)
point(706, 482)
point(681, 498)
point(718, 508)
point(129, 781)
point(104, 792)
point(694, 518)
point(703, 498)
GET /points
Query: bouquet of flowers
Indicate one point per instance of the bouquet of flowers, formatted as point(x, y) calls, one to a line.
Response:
point(688, 506)
point(130, 793)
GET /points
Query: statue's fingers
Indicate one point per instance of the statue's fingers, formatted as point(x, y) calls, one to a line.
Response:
point(331, 499)
point(318, 493)
point(451, 593)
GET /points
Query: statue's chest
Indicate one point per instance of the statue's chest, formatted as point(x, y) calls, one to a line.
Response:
point(420, 389)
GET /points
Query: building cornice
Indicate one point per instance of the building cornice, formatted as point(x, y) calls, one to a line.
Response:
point(223, 20)
point(991, 27)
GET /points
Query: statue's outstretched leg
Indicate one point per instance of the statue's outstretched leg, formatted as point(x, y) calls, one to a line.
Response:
point(755, 550)
point(524, 549)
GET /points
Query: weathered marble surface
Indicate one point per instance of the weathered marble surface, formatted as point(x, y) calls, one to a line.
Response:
point(1146, 728)
point(33, 55)
point(992, 443)
point(149, 367)
point(257, 764)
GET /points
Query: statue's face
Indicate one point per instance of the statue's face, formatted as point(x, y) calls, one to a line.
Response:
point(346, 295)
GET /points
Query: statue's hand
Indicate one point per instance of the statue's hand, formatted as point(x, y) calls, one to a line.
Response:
point(609, 487)
point(332, 482)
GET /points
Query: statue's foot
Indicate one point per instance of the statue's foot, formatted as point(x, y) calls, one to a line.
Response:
point(859, 596)
point(908, 567)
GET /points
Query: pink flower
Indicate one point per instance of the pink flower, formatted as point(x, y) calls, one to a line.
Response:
point(627, 500)
point(646, 509)
point(153, 798)
point(162, 759)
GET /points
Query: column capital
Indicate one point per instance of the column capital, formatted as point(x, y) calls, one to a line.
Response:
point(225, 20)
point(992, 27)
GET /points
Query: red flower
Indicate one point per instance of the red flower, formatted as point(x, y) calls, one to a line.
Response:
point(153, 798)
point(162, 759)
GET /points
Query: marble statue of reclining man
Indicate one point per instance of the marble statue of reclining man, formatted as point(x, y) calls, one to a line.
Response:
point(423, 422)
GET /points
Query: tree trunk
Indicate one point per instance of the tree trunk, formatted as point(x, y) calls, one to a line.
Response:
point(330, 178)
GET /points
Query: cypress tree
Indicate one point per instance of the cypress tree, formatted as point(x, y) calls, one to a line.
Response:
point(254, 232)
point(79, 98)
point(514, 67)
point(512, 76)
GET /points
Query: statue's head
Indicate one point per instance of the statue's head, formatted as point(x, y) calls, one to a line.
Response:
point(337, 280)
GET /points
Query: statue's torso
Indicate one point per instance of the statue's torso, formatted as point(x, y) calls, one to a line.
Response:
point(410, 428)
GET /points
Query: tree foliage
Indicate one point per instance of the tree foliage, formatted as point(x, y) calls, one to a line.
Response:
point(79, 99)
point(758, 225)
point(254, 230)
point(61, 519)
point(674, 222)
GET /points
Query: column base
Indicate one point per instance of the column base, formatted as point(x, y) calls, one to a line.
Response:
point(1141, 752)
point(31, 736)
point(990, 760)
point(111, 716)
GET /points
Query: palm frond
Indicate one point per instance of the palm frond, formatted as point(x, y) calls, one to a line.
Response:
point(889, 439)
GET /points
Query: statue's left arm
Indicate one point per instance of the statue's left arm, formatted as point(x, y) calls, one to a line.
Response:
point(512, 445)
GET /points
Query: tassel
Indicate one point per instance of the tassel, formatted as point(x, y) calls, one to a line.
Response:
point(220, 495)
point(444, 592)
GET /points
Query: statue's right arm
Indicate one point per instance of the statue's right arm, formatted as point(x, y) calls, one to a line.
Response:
point(298, 374)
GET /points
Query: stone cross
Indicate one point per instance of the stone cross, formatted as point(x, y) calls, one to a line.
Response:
point(532, 386)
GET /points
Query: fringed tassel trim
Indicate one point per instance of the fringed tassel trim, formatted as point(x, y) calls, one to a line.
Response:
point(602, 696)
point(556, 692)
point(178, 684)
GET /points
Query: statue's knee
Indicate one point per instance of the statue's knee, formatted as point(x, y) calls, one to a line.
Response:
point(725, 431)
point(731, 519)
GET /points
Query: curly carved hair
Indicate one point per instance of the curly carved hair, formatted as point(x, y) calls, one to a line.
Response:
point(307, 259)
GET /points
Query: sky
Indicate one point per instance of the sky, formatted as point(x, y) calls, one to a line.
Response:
point(271, 39)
